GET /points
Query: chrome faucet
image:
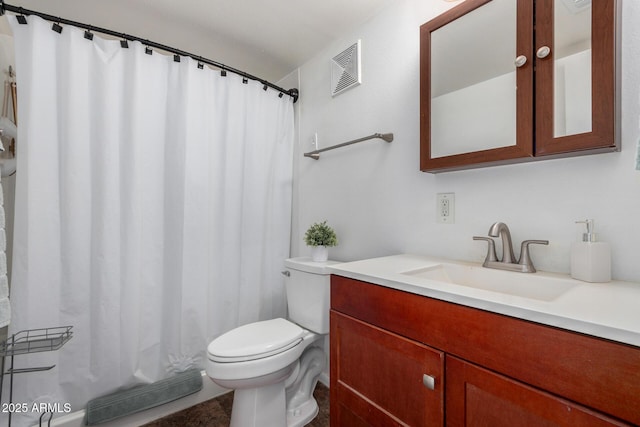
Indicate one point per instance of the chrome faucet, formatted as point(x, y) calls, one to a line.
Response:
point(500, 229)
point(507, 262)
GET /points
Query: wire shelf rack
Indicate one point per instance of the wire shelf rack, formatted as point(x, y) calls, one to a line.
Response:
point(35, 341)
point(25, 342)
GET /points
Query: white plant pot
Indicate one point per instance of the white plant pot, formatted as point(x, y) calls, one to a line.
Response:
point(319, 253)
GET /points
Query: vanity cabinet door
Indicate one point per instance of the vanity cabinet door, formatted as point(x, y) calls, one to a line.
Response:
point(478, 397)
point(379, 378)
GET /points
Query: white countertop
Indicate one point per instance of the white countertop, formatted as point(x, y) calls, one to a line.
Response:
point(606, 310)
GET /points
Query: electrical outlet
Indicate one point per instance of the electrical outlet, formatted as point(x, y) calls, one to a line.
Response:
point(445, 208)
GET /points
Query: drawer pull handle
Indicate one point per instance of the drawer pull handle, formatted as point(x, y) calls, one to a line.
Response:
point(429, 381)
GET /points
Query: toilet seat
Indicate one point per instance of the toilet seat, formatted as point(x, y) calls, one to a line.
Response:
point(255, 341)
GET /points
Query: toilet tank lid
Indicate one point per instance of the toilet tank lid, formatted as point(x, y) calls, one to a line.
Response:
point(307, 265)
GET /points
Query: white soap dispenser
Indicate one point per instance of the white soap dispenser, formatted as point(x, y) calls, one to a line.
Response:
point(590, 259)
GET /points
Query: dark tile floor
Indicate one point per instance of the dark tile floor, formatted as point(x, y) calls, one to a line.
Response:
point(217, 412)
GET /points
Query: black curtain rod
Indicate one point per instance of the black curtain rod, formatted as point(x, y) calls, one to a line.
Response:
point(4, 7)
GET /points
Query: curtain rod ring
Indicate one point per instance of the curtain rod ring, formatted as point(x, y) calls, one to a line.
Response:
point(57, 27)
point(21, 18)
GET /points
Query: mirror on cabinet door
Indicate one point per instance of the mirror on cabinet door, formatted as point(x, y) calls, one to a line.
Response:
point(572, 67)
point(475, 85)
point(577, 83)
point(473, 81)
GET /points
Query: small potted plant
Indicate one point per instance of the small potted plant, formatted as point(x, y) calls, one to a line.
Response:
point(320, 237)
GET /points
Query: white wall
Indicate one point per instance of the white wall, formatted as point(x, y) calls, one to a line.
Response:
point(380, 203)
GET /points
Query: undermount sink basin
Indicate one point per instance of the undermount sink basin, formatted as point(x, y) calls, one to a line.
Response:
point(532, 286)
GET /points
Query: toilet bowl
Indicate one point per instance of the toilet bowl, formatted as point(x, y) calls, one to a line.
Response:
point(274, 365)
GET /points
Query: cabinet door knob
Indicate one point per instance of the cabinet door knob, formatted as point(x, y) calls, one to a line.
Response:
point(520, 61)
point(543, 52)
point(429, 381)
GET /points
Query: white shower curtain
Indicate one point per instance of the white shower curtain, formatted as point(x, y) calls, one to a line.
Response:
point(153, 206)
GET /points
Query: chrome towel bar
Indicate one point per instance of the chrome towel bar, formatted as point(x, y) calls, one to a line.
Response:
point(315, 154)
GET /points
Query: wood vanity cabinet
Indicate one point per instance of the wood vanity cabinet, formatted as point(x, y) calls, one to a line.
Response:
point(488, 369)
point(506, 82)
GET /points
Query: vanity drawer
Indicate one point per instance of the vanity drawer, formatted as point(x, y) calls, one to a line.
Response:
point(596, 373)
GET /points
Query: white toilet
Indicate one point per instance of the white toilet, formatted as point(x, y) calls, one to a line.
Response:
point(273, 365)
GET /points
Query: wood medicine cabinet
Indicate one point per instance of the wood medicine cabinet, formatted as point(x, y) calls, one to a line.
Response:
point(505, 81)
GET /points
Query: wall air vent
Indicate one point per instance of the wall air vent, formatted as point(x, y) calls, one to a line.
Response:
point(345, 69)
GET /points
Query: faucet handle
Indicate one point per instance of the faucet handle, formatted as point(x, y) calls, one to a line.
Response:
point(525, 257)
point(491, 249)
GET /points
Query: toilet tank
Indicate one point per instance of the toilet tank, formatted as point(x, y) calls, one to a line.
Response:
point(308, 290)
